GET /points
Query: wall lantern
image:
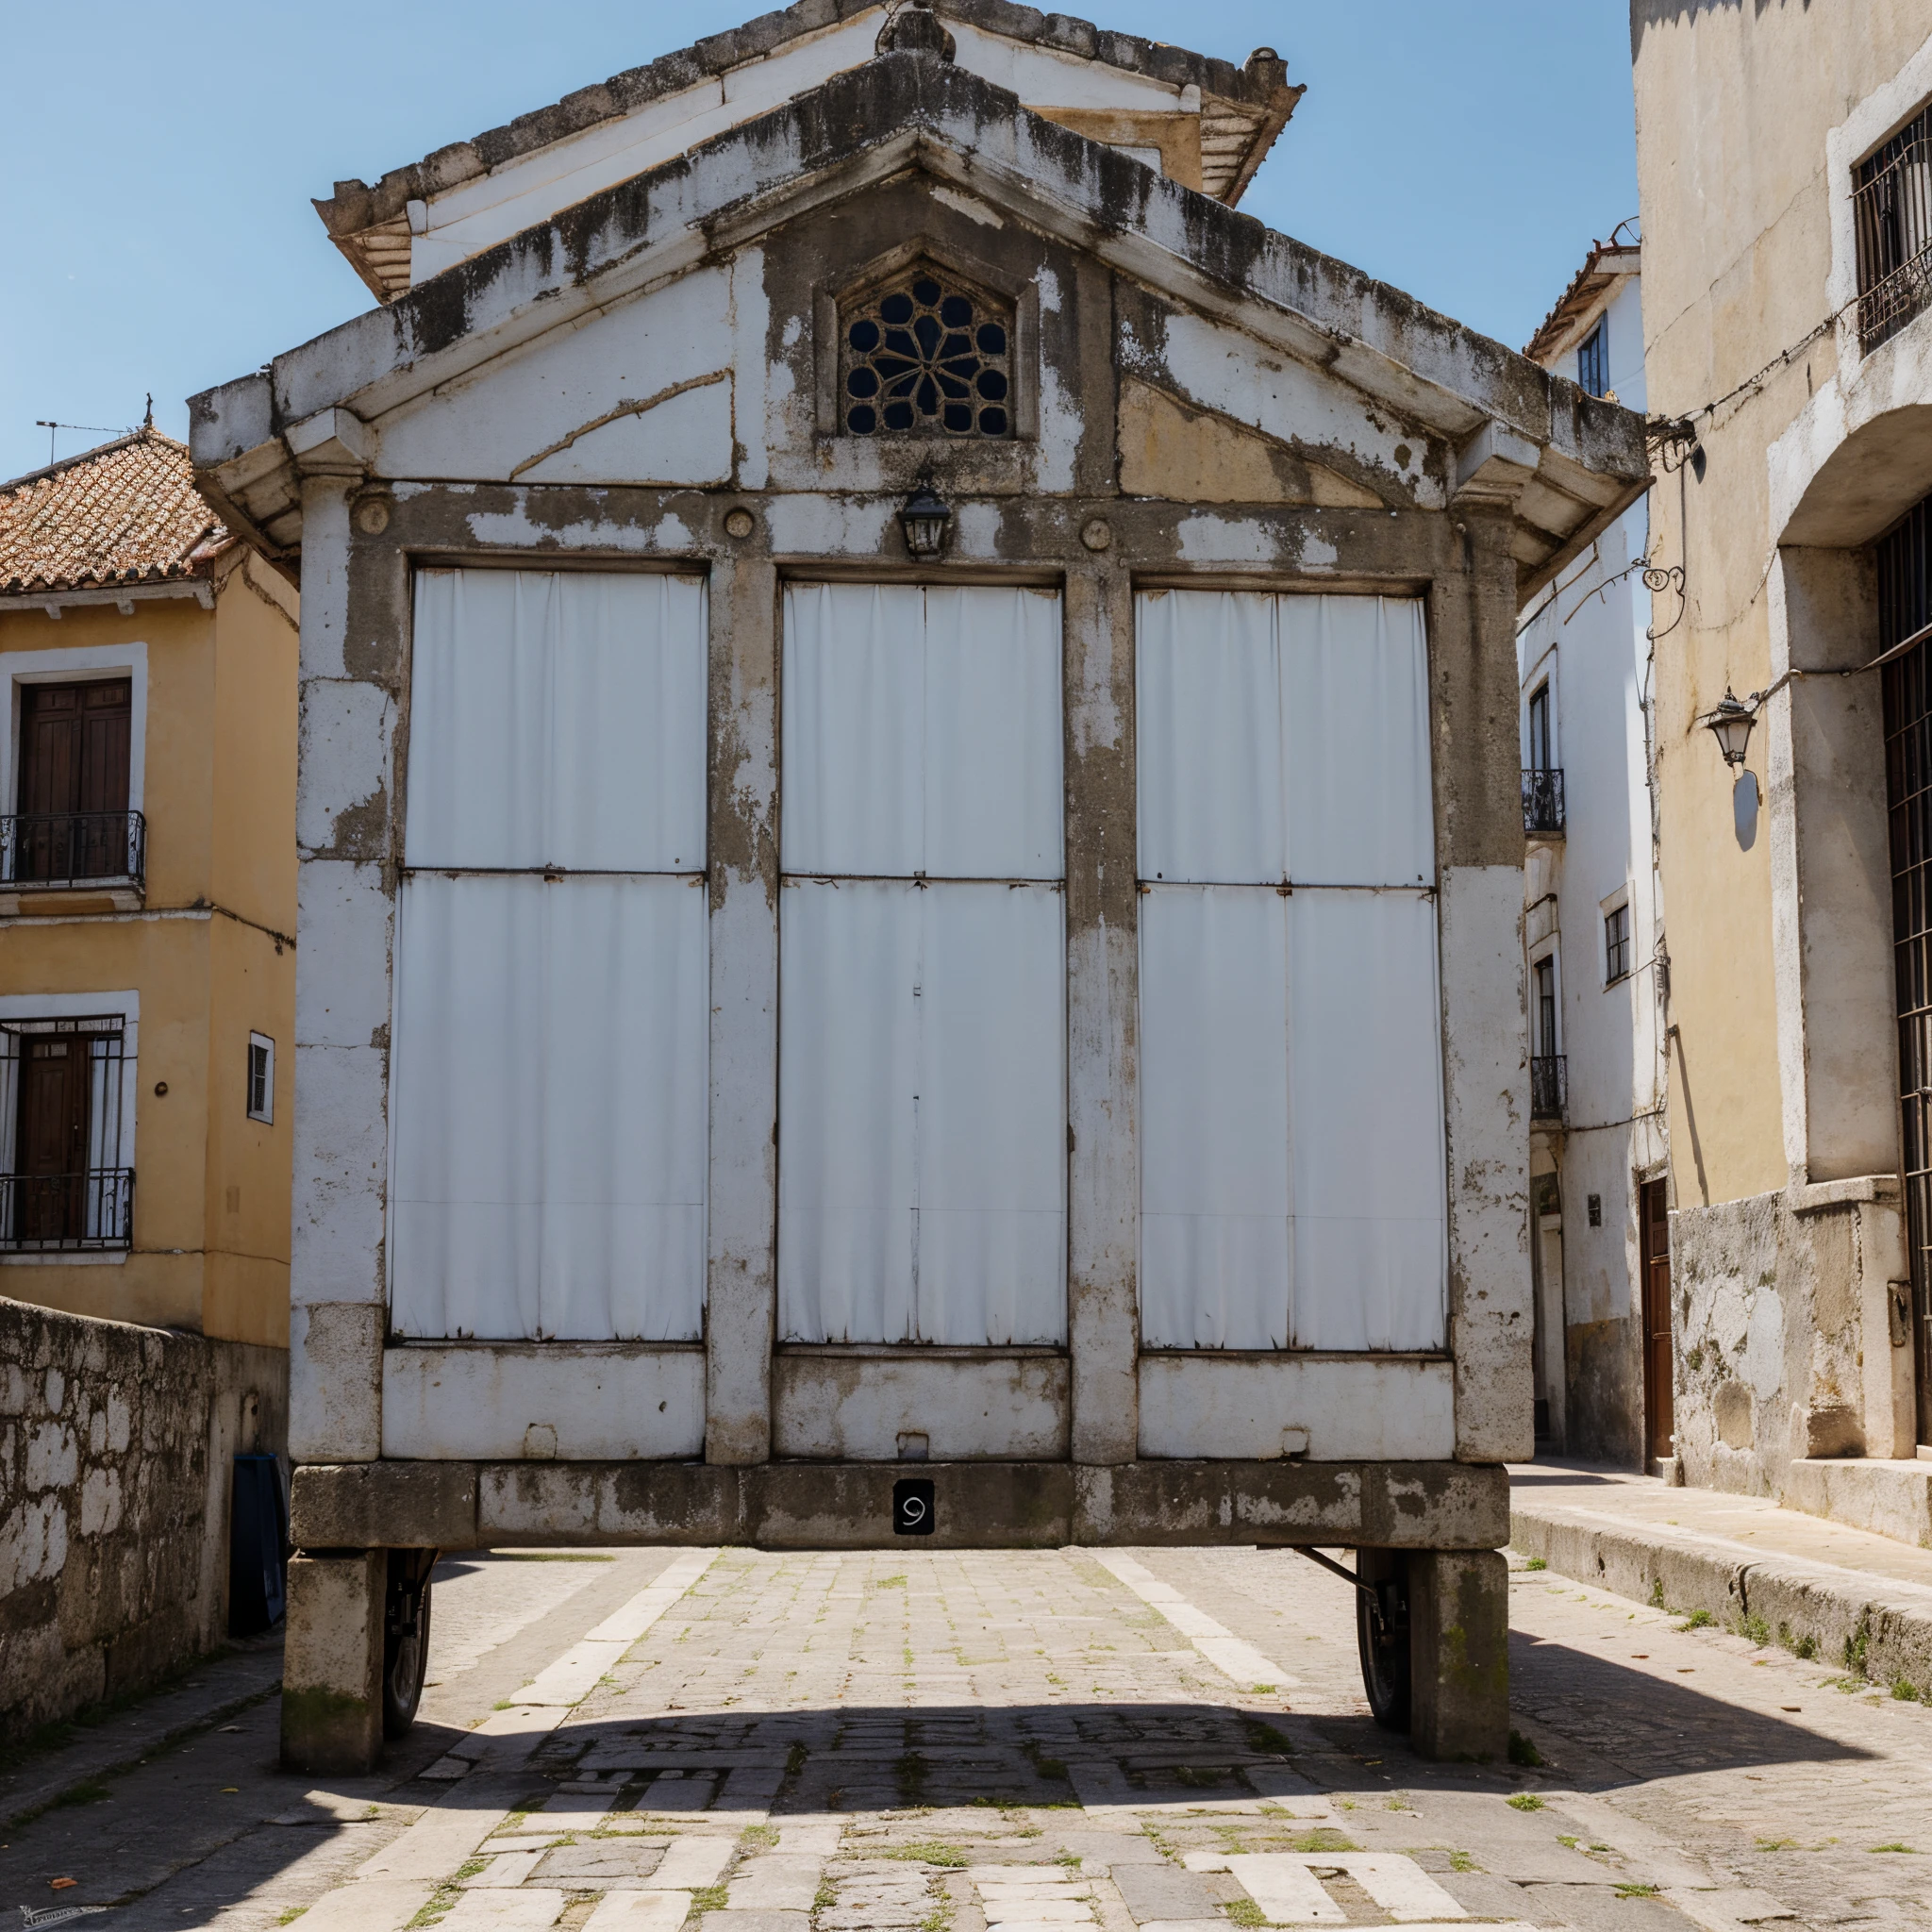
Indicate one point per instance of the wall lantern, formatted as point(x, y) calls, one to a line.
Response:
point(1731, 724)
point(925, 521)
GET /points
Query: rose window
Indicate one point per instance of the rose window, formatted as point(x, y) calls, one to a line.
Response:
point(923, 356)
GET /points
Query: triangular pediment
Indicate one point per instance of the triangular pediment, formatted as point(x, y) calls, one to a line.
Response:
point(1228, 329)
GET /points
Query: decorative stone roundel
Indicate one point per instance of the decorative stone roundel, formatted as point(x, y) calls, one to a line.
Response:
point(923, 356)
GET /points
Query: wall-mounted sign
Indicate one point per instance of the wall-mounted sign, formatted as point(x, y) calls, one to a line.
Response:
point(912, 1506)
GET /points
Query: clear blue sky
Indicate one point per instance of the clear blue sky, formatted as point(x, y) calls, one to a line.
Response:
point(156, 163)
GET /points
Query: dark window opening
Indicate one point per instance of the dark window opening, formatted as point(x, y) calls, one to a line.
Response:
point(261, 1078)
point(1891, 204)
point(926, 356)
point(1905, 594)
point(1616, 944)
point(1593, 360)
point(70, 819)
point(61, 1185)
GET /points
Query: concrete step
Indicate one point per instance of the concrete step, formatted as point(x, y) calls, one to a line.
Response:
point(1859, 1601)
point(1889, 1498)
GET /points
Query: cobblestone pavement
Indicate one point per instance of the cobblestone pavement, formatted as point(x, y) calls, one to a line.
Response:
point(1167, 1741)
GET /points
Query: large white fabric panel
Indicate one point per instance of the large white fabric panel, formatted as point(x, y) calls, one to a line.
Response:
point(548, 1108)
point(1216, 1236)
point(1283, 738)
point(992, 1118)
point(1366, 1098)
point(557, 719)
point(1354, 712)
point(922, 1114)
point(1208, 722)
point(847, 1071)
point(922, 732)
point(854, 710)
point(995, 801)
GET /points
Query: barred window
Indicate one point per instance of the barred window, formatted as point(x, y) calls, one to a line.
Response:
point(924, 355)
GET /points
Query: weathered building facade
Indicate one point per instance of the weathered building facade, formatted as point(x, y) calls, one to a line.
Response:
point(1593, 942)
point(1781, 161)
point(148, 980)
point(909, 840)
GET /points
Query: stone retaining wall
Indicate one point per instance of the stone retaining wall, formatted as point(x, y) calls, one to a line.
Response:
point(116, 1447)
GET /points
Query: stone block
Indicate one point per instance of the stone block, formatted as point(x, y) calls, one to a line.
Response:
point(356, 1505)
point(1459, 1647)
point(332, 1668)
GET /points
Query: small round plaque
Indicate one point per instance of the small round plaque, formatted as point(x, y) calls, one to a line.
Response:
point(738, 523)
point(1098, 535)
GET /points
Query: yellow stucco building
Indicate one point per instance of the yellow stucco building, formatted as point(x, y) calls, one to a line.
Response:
point(148, 902)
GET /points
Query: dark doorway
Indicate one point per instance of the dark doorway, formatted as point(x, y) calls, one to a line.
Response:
point(1659, 1365)
point(72, 799)
point(50, 1162)
point(1905, 608)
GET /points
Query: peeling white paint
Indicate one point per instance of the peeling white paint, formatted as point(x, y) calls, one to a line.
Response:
point(1210, 539)
point(1221, 368)
point(484, 425)
point(857, 1409)
point(513, 529)
point(344, 754)
point(828, 527)
point(968, 205)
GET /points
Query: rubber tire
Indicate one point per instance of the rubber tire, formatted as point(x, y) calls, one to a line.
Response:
point(405, 1655)
point(1386, 1671)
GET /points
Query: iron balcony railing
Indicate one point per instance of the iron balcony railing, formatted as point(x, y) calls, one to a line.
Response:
point(1549, 1087)
point(1542, 802)
point(94, 1209)
point(1892, 211)
point(71, 848)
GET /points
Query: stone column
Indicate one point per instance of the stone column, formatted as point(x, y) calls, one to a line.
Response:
point(332, 1669)
point(742, 1268)
point(1458, 1649)
point(1103, 967)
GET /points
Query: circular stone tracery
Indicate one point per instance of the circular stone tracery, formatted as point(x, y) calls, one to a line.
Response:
point(924, 358)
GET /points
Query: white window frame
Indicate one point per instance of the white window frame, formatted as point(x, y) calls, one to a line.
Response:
point(266, 1114)
point(1618, 901)
point(80, 664)
point(85, 1006)
point(1542, 677)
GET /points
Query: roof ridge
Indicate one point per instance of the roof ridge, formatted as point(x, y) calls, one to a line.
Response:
point(144, 434)
point(355, 205)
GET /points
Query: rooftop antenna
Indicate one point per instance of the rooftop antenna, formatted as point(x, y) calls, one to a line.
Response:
point(86, 428)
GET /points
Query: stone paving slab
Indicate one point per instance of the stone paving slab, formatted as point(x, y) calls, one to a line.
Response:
point(219, 1688)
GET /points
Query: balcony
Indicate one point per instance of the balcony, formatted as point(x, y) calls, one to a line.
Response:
point(1891, 207)
point(48, 1212)
point(61, 851)
point(1549, 1087)
point(1543, 804)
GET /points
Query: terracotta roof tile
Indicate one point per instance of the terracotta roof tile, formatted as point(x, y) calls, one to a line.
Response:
point(126, 513)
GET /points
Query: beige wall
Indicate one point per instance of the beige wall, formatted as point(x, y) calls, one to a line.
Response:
point(1734, 104)
point(209, 954)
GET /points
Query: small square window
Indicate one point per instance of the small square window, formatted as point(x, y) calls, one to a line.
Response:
point(1595, 1207)
point(1616, 944)
point(261, 1078)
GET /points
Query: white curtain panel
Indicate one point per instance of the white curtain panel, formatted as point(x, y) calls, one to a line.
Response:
point(922, 733)
point(1294, 1191)
point(1283, 738)
point(1365, 1097)
point(548, 1108)
point(1216, 1206)
point(922, 1171)
point(557, 718)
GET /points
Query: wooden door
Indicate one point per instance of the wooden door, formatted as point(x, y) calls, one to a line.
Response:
point(74, 742)
point(51, 1145)
point(1659, 1364)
